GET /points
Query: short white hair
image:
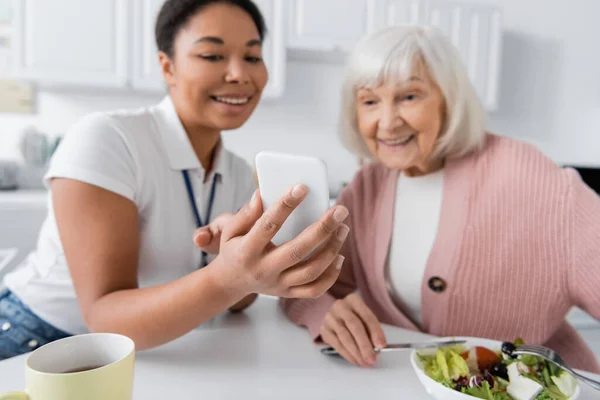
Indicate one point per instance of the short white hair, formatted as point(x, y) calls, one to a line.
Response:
point(390, 55)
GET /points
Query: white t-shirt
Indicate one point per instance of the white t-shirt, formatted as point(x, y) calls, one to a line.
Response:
point(140, 155)
point(416, 217)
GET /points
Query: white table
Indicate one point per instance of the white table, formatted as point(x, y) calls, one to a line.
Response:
point(260, 355)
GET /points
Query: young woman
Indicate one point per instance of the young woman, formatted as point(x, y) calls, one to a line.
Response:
point(129, 188)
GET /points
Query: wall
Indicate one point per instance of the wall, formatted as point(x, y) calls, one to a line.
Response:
point(550, 92)
point(550, 95)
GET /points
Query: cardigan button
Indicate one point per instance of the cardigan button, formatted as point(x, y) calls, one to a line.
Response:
point(437, 284)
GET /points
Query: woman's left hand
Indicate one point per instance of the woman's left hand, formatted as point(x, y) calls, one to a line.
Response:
point(208, 238)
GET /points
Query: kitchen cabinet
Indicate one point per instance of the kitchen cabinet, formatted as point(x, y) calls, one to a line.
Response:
point(110, 44)
point(274, 47)
point(146, 71)
point(317, 27)
point(476, 32)
point(404, 12)
point(71, 42)
point(329, 25)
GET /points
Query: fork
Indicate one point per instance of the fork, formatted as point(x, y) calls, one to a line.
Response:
point(553, 357)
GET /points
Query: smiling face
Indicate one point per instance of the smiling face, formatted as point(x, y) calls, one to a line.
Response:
point(401, 122)
point(216, 75)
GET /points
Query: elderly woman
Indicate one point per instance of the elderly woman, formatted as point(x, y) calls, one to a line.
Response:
point(454, 231)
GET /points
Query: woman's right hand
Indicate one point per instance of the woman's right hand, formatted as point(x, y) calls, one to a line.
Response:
point(353, 330)
point(251, 263)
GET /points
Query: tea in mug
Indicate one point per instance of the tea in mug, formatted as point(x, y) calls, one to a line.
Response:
point(82, 369)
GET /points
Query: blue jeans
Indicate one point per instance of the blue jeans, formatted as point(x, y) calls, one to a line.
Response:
point(21, 331)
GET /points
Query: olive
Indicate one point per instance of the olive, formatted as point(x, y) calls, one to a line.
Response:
point(508, 348)
point(499, 370)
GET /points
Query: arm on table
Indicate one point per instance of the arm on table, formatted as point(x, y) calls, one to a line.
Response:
point(103, 261)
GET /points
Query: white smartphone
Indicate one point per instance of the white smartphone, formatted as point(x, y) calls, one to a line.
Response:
point(277, 173)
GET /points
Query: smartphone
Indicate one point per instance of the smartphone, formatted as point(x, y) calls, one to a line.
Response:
point(278, 173)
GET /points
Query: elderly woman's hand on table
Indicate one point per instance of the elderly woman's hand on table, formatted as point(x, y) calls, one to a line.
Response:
point(353, 330)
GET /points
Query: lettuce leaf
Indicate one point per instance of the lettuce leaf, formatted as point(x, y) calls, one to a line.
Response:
point(443, 364)
point(433, 370)
point(485, 392)
point(457, 366)
point(566, 383)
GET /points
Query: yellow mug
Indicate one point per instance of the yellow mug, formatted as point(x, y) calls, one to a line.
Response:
point(96, 366)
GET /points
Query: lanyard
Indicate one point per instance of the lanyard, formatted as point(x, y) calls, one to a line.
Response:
point(211, 200)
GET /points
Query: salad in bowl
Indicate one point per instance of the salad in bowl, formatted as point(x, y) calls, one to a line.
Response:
point(487, 369)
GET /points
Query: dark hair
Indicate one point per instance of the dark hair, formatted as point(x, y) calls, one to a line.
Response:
point(174, 14)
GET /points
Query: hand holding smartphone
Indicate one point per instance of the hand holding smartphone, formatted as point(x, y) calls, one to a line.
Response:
point(277, 173)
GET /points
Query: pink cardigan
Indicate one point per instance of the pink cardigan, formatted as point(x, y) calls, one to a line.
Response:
point(518, 245)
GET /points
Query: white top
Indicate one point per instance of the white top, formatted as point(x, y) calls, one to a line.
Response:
point(416, 218)
point(140, 155)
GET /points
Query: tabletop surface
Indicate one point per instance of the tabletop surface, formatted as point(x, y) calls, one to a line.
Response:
point(259, 354)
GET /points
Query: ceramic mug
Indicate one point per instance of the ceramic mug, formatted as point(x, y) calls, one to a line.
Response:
point(93, 367)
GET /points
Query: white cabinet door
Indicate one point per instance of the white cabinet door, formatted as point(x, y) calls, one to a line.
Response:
point(274, 47)
point(404, 12)
point(331, 24)
point(146, 70)
point(476, 32)
point(71, 42)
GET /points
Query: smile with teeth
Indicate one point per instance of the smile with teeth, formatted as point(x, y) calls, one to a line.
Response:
point(232, 100)
point(398, 142)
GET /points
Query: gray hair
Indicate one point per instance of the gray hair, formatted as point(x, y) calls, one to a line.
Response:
point(389, 55)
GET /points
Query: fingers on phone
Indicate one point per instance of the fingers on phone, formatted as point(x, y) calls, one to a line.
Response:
point(245, 219)
point(271, 221)
point(319, 286)
point(313, 237)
